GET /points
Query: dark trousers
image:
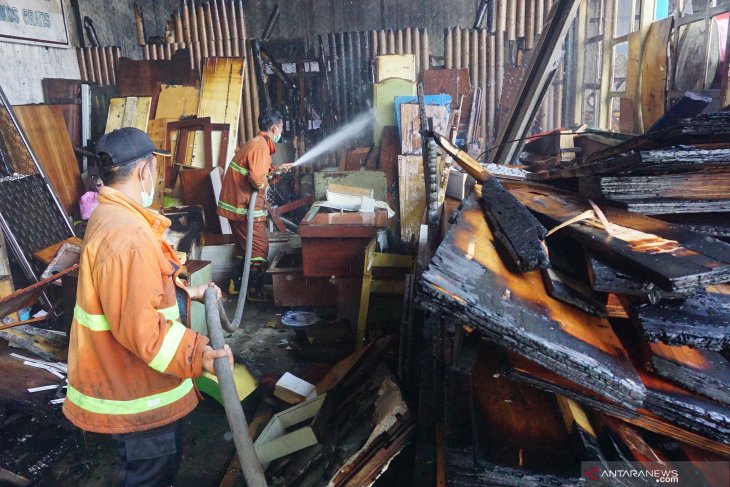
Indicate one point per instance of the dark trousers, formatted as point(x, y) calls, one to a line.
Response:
point(151, 458)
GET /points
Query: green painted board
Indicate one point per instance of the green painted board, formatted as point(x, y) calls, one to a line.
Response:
point(384, 94)
point(374, 180)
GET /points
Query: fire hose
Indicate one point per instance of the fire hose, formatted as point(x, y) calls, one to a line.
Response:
point(217, 320)
point(253, 472)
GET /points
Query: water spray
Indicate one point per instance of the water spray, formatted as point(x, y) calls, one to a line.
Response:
point(331, 142)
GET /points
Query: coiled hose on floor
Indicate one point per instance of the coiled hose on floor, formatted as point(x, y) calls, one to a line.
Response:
point(253, 472)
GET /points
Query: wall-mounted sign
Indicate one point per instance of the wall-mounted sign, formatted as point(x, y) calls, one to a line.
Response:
point(33, 22)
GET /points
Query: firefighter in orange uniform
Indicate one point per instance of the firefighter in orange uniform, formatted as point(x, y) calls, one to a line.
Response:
point(131, 359)
point(250, 171)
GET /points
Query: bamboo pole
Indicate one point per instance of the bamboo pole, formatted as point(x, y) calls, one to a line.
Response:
point(521, 6)
point(227, 42)
point(474, 60)
point(425, 51)
point(501, 16)
point(408, 41)
point(465, 48)
point(210, 30)
point(81, 56)
point(483, 61)
point(417, 50)
point(374, 39)
point(492, 85)
point(457, 48)
point(185, 19)
point(104, 66)
point(539, 16)
point(233, 28)
point(202, 35)
point(97, 66)
point(399, 42)
point(529, 24)
point(382, 43)
point(213, 6)
point(391, 42)
point(448, 48)
point(511, 20)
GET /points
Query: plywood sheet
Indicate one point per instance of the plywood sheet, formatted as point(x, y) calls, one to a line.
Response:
point(654, 66)
point(412, 195)
point(132, 111)
point(220, 99)
point(410, 125)
point(176, 102)
point(49, 138)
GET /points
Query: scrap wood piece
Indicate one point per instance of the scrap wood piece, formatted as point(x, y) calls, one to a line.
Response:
point(565, 288)
point(654, 71)
point(701, 321)
point(608, 279)
point(49, 138)
point(23, 298)
point(517, 231)
point(177, 101)
point(704, 372)
point(468, 280)
point(543, 378)
point(411, 196)
point(689, 106)
point(674, 259)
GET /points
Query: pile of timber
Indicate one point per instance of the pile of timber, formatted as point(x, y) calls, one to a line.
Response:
point(626, 336)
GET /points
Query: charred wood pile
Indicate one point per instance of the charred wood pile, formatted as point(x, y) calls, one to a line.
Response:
point(618, 350)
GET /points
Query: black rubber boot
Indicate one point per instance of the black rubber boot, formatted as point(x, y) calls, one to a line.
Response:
point(256, 290)
point(234, 284)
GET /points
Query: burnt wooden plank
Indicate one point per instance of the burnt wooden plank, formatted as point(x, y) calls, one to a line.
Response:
point(701, 321)
point(710, 224)
point(702, 371)
point(706, 185)
point(676, 260)
point(569, 290)
point(517, 233)
point(530, 372)
point(608, 279)
point(468, 280)
point(673, 402)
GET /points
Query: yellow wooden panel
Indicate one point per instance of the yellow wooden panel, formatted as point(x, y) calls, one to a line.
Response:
point(412, 195)
point(401, 66)
point(132, 111)
point(220, 99)
point(116, 113)
point(157, 130)
point(176, 102)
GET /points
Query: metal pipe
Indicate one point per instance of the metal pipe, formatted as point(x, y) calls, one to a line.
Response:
point(252, 469)
point(448, 48)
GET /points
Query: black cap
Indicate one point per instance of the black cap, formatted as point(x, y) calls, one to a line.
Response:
point(125, 145)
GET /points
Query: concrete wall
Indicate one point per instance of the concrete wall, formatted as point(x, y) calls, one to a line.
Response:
point(26, 65)
point(308, 18)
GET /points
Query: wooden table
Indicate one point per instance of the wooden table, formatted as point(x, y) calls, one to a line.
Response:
point(333, 244)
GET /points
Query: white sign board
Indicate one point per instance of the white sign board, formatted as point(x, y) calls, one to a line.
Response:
point(33, 22)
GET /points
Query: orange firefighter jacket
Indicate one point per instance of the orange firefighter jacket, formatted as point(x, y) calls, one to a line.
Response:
point(130, 360)
point(247, 173)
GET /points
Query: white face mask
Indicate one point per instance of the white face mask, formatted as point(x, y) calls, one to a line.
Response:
point(148, 198)
point(276, 138)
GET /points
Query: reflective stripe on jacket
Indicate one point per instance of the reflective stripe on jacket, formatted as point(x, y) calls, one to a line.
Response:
point(246, 173)
point(130, 358)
